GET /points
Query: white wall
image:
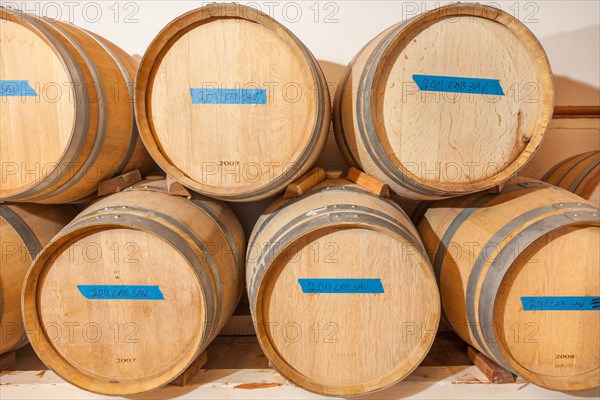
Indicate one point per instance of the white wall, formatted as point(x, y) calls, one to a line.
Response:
point(335, 30)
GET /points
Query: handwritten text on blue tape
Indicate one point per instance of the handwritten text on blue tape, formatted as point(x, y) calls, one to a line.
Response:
point(120, 292)
point(228, 96)
point(561, 303)
point(350, 286)
point(455, 84)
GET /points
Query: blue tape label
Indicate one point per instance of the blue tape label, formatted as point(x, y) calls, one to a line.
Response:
point(16, 88)
point(455, 84)
point(120, 292)
point(341, 285)
point(561, 303)
point(229, 96)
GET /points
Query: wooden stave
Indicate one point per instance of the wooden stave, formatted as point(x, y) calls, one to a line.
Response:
point(136, 156)
point(78, 38)
point(566, 174)
point(257, 271)
point(34, 231)
point(86, 117)
point(484, 280)
point(144, 81)
point(226, 221)
point(280, 204)
point(98, 217)
point(377, 163)
point(92, 127)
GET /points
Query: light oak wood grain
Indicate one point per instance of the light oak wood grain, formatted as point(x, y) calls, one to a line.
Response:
point(79, 128)
point(340, 343)
point(579, 174)
point(234, 152)
point(192, 249)
point(23, 233)
point(430, 145)
point(531, 239)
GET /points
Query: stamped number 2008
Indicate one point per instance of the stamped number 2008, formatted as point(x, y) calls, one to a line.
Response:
point(564, 356)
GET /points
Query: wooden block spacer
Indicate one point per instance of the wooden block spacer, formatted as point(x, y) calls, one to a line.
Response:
point(119, 183)
point(305, 183)
point(494, 372)
point(511, 181)
point(177, 189)
point(368, 182)
point(183, 379)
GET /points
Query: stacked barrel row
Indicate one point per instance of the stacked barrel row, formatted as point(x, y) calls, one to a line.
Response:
point(343, 288)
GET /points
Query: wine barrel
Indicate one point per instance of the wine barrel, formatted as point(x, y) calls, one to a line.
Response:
point(450, 102)
point(579, 174)
point(231, 104)
point(341, 292)
point(24, 230)
point(519, 279)
point(66, 101)
point(130, 293)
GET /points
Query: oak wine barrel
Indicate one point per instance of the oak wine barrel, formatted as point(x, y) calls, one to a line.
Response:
point(519, 279)
point(342, 295)
point(231, 104)
point(145, 280)
point(579, 174)
point(66, 100)
point(450, 102)
point(24, 230)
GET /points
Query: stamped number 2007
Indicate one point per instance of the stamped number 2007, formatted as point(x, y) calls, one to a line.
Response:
point(125, 360)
